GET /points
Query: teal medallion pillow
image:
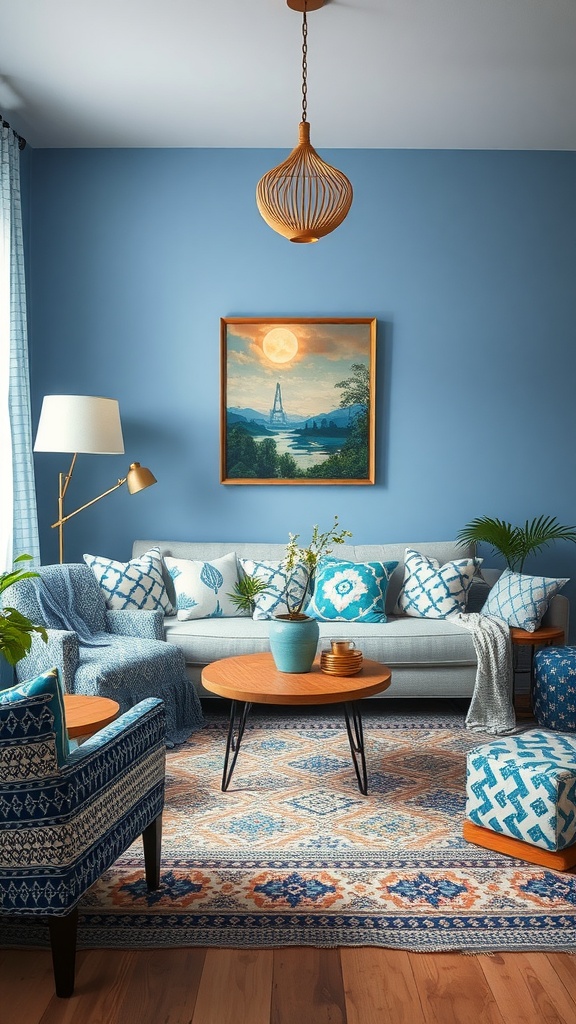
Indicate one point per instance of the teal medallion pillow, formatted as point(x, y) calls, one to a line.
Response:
point(137, 584)
point(434, 591)
point(350, 591)
point(202, 588)
point(46, 716)
point(272, 601)
point(521, 600)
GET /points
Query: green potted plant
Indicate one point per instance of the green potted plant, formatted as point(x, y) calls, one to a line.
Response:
point(294, 635)
point(516, 543)
point(15, 629)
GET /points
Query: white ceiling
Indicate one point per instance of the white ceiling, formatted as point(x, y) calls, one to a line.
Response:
point(416, 74)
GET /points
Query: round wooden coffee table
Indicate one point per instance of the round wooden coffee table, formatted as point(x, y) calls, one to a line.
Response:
point(86, 715)
point(254, 679)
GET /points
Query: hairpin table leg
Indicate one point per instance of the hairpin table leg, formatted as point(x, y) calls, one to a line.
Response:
point(356, 740)
point(234, 738)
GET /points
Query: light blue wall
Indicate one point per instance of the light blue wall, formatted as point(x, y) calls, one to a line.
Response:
point(467, 259)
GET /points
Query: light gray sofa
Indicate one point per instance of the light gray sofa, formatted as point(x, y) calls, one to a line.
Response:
point(428, 657)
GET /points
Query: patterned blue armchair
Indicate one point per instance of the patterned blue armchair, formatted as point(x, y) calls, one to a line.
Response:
point(113, 653)
point(66, 816)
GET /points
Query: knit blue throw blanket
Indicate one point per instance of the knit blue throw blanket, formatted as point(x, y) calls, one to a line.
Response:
point(57, 604)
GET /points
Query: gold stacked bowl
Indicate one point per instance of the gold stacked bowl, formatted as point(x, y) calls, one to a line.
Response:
point(341, 664)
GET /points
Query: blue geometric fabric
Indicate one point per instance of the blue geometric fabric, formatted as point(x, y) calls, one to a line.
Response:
point(202, 588)
point(554, 689)
point(434, 591)
point(138, 583)
point(521, 600)
point(350, 591)
point(17, 723)
point(279, 585)
point(524, 786)
point(60, 830)
point(133, 665)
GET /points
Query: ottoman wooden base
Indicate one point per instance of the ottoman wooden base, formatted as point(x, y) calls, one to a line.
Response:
point(560, 860)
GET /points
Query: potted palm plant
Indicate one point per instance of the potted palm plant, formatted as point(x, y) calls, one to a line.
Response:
point(15, 629)
point(516, 543)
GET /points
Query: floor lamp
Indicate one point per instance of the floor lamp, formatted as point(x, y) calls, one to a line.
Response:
point(81, 424)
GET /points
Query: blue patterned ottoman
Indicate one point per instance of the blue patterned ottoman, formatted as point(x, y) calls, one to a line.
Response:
point(554, 693)
point(521, 797)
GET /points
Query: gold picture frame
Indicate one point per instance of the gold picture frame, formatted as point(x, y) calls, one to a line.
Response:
point(297, 400)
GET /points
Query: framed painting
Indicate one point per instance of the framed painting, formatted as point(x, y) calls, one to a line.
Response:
point(297, 400)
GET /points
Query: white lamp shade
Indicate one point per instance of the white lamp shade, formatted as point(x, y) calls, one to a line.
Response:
point(79, 423)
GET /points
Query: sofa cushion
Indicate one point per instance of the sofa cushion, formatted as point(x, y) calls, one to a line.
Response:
point(435, 591)
point(203, 587)
point(353, 591)
point(42, 727)
point(399, 642)
point(137, 584)
point(272, 601)
point(521, 600)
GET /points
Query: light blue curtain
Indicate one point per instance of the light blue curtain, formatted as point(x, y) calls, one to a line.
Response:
point(18, 515)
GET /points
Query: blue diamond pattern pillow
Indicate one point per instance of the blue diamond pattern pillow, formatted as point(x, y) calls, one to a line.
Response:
point(434, 591)
point(521, 600)
point(202, 588)
point(138, 584)
point(350, 591)
point(272, 601)
point(30, 712)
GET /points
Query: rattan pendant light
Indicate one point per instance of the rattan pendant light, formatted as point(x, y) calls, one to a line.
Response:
point(304, 198)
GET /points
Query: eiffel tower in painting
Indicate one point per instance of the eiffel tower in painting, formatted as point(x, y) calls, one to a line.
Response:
point(277, 414)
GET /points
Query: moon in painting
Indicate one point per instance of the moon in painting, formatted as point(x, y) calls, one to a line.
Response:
point(280, 345)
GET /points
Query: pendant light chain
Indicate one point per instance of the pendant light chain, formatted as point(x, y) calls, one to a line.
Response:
point(304, 63)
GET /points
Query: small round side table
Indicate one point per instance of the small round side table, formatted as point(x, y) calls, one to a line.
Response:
point(86, 715)
point(545, 636)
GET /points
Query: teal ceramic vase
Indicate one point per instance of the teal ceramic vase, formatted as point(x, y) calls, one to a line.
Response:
point(293, 642)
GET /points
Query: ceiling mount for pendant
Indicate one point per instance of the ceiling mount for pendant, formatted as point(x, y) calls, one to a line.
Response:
point(304, 198)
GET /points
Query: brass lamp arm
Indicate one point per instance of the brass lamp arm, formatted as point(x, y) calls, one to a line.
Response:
point(64, 519)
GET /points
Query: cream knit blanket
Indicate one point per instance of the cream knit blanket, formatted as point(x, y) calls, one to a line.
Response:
point(491, 708)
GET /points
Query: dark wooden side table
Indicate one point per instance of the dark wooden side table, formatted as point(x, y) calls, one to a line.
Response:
point(545, 636)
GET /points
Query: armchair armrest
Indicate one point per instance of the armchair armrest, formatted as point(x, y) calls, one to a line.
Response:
point(147, 624)
point(143, 727)
point(61, 651)
point(558, 614)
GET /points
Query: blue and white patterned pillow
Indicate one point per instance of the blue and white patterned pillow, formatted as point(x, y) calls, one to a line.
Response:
point(521, 600)
point(202, 588)
point(350, 591)
point(272, 601)
point(35, 725)
point(137, 584)
point(434, 591)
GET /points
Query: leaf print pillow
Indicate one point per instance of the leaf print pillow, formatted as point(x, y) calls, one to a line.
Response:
point(202, 588)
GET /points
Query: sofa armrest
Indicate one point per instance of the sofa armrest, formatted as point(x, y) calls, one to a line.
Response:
point(147, 623)
point(558, 614)
point(144, 725)
point(61, 652)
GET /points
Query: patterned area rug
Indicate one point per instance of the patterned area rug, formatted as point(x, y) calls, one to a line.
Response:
point(293, 854)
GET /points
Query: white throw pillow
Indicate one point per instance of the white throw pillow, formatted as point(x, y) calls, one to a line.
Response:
point(272, 601)
point(434, 591)
point(202, 588)
point(137, 584)
point(521, 600)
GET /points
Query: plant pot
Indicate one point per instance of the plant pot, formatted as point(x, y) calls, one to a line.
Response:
point(293, 642)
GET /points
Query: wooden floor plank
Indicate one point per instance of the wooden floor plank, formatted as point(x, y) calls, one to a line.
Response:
point(26, 985)
point(308, 987)
point(453, 989)
point(235, 987)
point(379, 987)
point(101, 978)
point(564, 964)
point(527, 988)
point(162, 986)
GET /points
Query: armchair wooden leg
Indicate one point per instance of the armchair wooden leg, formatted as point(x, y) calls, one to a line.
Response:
point(152, 839)
point(63, 932)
